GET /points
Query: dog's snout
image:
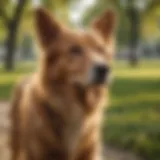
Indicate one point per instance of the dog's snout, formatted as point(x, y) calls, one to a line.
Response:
point(101, 72)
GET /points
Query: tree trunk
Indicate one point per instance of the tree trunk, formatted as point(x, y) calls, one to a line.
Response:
point(13, 26)
point(10, 48)
point(133, 15)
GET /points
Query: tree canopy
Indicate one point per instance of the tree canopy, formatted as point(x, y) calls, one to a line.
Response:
point(149, 17)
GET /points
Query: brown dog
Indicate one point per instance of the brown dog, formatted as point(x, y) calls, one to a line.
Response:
point(56, 113)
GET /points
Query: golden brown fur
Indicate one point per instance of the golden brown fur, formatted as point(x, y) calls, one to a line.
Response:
point(55, 115)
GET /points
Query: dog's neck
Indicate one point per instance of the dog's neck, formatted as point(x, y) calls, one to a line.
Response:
point(69, 95)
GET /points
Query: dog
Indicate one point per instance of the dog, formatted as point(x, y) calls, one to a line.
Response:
point(56, 112)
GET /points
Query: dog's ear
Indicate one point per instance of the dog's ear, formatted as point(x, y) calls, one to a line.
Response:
point(47, 28)
point(105, 24)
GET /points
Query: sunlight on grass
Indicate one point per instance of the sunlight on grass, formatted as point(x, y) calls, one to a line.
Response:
point(140, 97)
point(145, 69)
point(139, 74)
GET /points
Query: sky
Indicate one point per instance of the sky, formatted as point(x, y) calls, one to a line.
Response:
point(79, 8)
point(35, 2)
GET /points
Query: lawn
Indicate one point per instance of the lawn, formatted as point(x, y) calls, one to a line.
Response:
point(9, 79)
point(133, 119)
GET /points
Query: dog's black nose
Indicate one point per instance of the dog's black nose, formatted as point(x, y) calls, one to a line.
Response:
point(101, 73)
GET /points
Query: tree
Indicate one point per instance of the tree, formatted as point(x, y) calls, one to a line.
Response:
point(131, 14)
point(11, 14)
point(11, 21)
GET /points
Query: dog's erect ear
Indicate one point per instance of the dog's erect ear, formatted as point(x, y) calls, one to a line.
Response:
point(47, 28)
point(105, 24)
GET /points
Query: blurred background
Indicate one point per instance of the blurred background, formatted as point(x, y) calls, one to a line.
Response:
point(132, 122)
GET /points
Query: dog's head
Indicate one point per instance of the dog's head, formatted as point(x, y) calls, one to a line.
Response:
point(75, 57)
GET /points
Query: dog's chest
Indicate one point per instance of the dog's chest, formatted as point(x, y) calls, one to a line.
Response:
point(67, 128)
point(73, 129)
point(71, 137)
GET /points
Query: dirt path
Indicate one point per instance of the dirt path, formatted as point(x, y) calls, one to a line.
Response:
point(110, 153)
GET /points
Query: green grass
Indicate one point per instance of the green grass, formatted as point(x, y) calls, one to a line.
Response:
point(9, 79)
point(133, 119)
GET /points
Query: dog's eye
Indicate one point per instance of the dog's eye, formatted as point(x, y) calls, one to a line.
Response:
point(76, 50)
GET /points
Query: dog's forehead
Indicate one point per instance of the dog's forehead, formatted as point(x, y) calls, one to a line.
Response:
point(86, 36)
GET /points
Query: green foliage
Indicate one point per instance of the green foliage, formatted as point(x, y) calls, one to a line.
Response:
point(149, 18)
point(7, 12)
point(5, 6)
point(60, 8)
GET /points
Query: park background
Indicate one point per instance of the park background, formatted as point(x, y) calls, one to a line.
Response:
point(132, 121)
